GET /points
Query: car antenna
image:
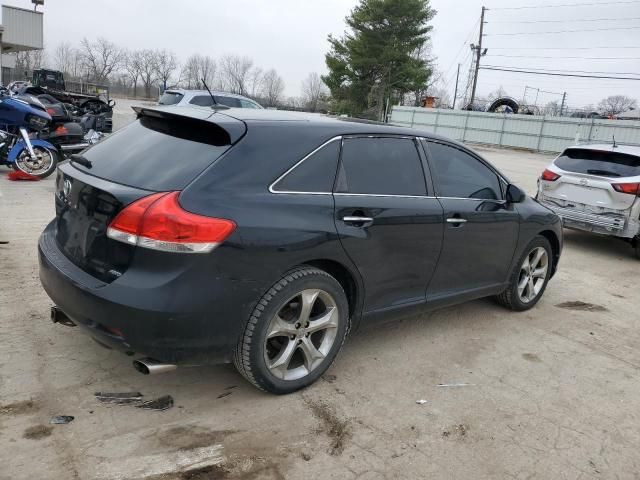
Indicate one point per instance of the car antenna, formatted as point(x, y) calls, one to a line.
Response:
point(216, 105)
point(614, 141)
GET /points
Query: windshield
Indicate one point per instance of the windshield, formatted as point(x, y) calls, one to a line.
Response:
point(596, 162)
point(170, 98)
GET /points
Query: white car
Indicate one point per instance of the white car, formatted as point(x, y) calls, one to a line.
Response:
point(202, 98)
point(596, 188)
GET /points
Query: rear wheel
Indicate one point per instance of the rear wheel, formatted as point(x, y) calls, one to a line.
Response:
point(530, 276)
point(294, 332)
point(42, 165)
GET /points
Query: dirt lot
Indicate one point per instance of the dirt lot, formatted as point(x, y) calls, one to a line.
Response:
point(551, 394)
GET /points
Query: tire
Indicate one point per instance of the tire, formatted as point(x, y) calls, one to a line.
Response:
point(517, 298)
point(28, 167)
point(275, 354)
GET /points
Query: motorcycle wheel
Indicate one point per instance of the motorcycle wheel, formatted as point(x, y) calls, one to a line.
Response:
point(44, 164)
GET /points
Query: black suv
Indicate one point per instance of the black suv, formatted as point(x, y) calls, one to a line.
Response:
point(262, 237)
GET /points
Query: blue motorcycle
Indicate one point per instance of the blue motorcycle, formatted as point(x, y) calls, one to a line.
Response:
point(18, 116)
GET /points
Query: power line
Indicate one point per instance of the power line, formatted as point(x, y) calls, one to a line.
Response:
point(500, 69)
point(558, 48)
point(569, 5)
point(562, 31)
point(567, 71)
point(563, 57)
point(473, 29)
point(567, 21)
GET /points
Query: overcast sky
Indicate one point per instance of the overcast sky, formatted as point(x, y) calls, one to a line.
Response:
point(290, 36)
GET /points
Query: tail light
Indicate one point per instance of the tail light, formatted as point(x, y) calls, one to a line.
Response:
point(549, 176)
point(51, 111)
point(630, 188)
point(159, 223)
point(61, 130)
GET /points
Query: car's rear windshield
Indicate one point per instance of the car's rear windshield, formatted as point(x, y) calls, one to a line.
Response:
point(597, 162)
point(156, 154)
point(170, 98)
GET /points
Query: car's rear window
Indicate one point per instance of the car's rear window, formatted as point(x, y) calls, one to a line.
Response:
point(596, 162)
point(170, 98)
point(156, 154)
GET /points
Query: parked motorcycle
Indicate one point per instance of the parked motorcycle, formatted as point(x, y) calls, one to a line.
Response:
point(18, 115)
point(67, 132)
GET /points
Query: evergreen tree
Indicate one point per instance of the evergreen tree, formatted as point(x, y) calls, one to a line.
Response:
point(376, 58)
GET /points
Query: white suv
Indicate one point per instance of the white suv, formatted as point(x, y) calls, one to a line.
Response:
point(596, 188)
point(201, 98)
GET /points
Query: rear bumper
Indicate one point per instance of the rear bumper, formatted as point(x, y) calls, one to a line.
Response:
point(607, 224)
point(175, 317)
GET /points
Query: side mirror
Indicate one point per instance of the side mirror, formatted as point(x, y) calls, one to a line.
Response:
point(515, 194)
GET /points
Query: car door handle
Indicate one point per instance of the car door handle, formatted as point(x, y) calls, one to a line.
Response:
point(456, 220)
point(358, 221)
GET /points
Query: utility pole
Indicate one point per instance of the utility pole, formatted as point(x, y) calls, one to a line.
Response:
point(455, 94)
point(564, 98)
point(479, 53)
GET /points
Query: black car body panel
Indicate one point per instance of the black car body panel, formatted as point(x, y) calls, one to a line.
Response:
point(192, 308)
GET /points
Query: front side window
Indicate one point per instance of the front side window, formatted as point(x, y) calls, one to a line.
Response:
point(381, 166)
point(201, 101)
point(228, 101)
point(315, 174)
point(248, 104)
point(460, 175)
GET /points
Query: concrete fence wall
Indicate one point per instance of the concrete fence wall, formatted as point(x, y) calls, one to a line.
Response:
point(539, 133)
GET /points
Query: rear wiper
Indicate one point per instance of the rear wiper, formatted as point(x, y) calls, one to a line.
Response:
point(79, 159)
point(605, 173)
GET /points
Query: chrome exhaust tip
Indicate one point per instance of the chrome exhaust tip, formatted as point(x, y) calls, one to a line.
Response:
point(149, 366)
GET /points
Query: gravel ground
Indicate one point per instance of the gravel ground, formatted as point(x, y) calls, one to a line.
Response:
point(552, 393)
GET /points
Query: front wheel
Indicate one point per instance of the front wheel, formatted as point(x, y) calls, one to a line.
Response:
point(530, 276)
point(294, 332)
point(43, 165)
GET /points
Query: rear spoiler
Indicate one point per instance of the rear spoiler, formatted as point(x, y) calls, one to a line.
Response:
point(193, 124)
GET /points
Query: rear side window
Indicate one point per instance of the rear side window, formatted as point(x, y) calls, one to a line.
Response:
point(460, 175)
point(201, 100)
point(315, 174)
point(381, 166)
point(170, 98)
point(594, 162)
point(155, 154)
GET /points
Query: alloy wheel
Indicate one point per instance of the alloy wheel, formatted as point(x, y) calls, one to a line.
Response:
point(533, 274)
point(301, 334)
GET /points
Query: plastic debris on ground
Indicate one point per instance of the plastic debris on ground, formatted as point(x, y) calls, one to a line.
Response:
point(120, 398)
point(61, 419)
point(421, 401)
point(17, 175)
point(162, 403)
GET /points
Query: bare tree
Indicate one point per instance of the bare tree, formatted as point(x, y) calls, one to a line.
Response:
point(256, 79)
point(234, 71)
point(616, 104)
point(196, 68)
point(552, 108)
point(63, 58)
point(273, 88)
point(166, 63)
point(313, 89)
point(133, 68)
point(29, 60)
point(147, 70)
point(101, 58)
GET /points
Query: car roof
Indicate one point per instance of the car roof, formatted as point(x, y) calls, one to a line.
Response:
point(608, 147)
point(325, 125)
